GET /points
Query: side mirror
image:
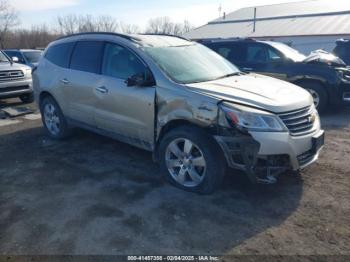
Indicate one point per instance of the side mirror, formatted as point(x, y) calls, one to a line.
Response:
point(15, 59)
point(140, 79)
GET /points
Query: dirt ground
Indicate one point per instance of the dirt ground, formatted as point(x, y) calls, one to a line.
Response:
point(93, 195)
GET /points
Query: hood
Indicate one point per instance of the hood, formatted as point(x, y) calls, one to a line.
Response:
point(258, 91)
point(13, 66)
point(323, 57)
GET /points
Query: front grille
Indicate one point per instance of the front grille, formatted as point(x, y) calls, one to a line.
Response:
point(11, 75)
point(13, 89)
point(299, 122)
point(305, 157)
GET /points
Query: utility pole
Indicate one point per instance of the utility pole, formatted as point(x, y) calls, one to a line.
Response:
point(220, 9)
point(254, 24)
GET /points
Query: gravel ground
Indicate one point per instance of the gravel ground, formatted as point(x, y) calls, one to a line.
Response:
point(93, 195)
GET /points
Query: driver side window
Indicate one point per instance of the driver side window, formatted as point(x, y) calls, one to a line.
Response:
point(256, 53)
point(120, 63)
point(273, 55)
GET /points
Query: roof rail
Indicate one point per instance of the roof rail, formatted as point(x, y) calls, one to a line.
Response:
point(129, 37)
point(181, 37)
point(224, 39)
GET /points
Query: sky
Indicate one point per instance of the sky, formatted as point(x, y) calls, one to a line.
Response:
point(197, 12)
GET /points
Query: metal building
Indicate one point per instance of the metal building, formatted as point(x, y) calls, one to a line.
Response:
point(306, 25)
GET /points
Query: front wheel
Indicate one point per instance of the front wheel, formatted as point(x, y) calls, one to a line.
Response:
point(319, 96)
point(191, 160)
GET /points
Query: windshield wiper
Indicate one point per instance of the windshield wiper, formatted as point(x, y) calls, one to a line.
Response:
point(229, 75)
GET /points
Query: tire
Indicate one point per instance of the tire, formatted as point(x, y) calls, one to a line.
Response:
point(318, 92)
point(27, 98)
point(53, 119)
point(203, 175)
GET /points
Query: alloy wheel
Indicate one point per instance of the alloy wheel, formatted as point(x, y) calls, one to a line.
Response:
point(315, 96)
point(52, 120)
point(185, 162)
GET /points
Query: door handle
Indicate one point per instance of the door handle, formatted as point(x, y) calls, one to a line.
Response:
point(102, 89)
point(64, 81)
point(247, 69)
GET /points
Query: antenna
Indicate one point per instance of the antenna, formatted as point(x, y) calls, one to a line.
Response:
point(220, 9)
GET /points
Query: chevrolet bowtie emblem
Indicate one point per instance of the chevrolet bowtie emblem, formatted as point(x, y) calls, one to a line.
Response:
point(311, 118)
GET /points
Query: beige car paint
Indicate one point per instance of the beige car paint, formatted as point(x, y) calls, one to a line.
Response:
point(139, 115)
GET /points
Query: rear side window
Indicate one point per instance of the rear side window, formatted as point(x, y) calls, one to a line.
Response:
point(60, 54)
point(87, 56)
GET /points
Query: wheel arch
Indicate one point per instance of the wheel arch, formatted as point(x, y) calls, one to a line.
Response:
point(43, 95)
point(177, 123)
point(305, 81)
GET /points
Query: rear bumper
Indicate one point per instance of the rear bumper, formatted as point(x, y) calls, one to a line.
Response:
point(15, 88)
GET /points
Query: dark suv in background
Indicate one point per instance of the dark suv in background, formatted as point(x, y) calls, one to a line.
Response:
point(29, 57)
point(325, 76)
point(342, 50)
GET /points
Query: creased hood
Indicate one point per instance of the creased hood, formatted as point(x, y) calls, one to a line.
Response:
point(323, 57)
point(256, 90)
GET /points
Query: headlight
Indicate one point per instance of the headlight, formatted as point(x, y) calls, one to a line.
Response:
point(243, 117)
point(28, 72)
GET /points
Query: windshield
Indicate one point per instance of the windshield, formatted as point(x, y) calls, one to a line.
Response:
point(3, 58)
point(32, 56)
point(191, 63)
point(289, 52)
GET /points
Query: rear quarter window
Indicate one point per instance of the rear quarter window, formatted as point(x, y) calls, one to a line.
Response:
point(60, 54)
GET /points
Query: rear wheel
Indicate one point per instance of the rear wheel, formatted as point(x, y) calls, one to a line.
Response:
point(27, 98)
point(191, 160)
point(53, 119)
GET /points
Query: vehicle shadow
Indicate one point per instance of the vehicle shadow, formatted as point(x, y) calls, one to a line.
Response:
point(93, 195)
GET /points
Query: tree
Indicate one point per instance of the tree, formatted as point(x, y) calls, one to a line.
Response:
point(164, 25)
point(36, 37)
point(67, 24)
point(72, 24)
point(8, 19)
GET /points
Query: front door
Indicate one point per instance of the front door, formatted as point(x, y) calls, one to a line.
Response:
point(128, 112)
point(263, 59)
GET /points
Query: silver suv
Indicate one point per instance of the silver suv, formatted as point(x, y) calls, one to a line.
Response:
point(15, 80)
point(193, 109)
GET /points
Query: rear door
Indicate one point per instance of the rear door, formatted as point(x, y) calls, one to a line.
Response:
point(127, 111)
point(81, 80)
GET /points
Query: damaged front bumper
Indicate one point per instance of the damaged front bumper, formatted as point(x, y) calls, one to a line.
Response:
point(265, 155)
